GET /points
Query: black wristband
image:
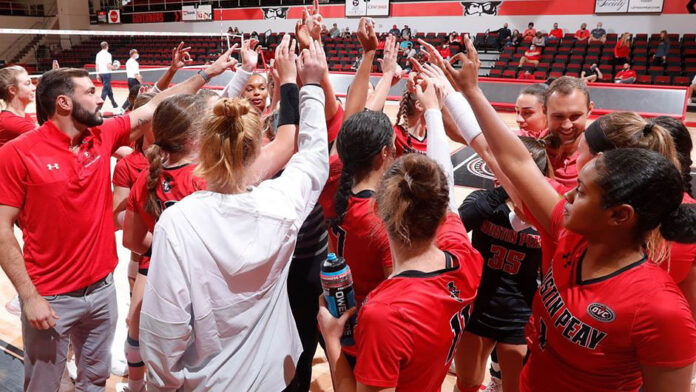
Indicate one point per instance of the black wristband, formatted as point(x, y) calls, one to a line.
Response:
point(289, 112)
point(148, 253)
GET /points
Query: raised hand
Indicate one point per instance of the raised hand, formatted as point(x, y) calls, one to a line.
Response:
point(388, 60)
point(466, 78)
point(222, 63)
point(437, 77)
point(311, 64)
point(285, 61)
point(180, 56)
point(302, 34)
point(314, 21)
point(366, 35)
point(425, 91)
point(248, 55)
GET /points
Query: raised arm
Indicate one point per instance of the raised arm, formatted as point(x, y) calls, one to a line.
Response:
point(143, 114)
point(509, 152)
point(180, 58)
point(357, 96)
point(242, 75)
point(390, 72)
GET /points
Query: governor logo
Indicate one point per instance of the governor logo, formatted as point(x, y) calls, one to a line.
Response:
point(601, 312)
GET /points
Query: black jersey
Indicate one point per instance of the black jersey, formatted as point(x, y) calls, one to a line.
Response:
point(511, 261)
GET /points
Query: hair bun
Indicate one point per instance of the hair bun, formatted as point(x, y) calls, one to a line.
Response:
point(231, 107)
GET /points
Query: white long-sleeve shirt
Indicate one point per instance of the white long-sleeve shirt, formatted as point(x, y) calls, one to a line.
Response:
point(236, 85)
point(215, 314)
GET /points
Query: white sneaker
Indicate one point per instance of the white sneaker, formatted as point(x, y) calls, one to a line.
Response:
point(117, 111)
point(495, 385)
point(119, 366)
point(72, 369)
point(14, 307)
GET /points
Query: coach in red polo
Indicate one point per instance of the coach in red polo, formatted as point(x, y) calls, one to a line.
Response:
point(55, 181)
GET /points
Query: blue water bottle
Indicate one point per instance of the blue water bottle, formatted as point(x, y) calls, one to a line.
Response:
point(337, 283)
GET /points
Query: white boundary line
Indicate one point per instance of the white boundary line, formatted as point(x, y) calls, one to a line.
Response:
point(113, 33)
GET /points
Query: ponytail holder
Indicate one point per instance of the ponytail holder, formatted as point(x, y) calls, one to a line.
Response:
point(647, 128)
point(408, 180)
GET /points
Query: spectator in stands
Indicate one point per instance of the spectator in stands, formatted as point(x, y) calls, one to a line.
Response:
point(132, 73)
point(503, 35)
point(335, 32)
point(515, 38)
point(529, 33)
point(395, 31)
point(530, 56)
point(556, 34)
point(405, 45)
point(355, 64)
point(595, 74)
point(526, 75)
point(455, 38)
point(104, 66)
point(406, 32)
point(411, 52)
point(539, 40)
point(445, 52)
point(626, 75)
point(346, 32)
point(622, 49)
point(583, 34)
point(660, 56)
point(598, 34)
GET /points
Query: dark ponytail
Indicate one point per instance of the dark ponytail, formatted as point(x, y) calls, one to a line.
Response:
point(682, 143)
point(648, 182)
point(361, 138)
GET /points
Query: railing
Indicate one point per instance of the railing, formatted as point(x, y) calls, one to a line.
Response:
point(25, 8)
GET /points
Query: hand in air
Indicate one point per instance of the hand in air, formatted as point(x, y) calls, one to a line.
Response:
point(367, 36)
point(311, 64)
point(285, 61)
point(249, 56)
point(225, 61)
point(437, 77)
point(181, 56)
point(466, 78)
point(388, 60)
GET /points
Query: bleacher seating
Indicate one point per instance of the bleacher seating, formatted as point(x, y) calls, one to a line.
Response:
point(558, 58)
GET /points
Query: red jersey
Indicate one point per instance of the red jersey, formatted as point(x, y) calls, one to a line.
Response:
point(625, 74)
point(558, 33)
point(621, 50)
point(360, 238)
point(565, 169)
point(409, 325)
point(175, 184)
point(128, 169)
point(65, 202)
point(407, 143)
point(682, 256)
point(582, 34)
point(534, 134)
point(595, 335)
point(12, 125)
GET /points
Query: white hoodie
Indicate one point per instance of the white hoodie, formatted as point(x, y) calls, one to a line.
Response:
point(215, 314)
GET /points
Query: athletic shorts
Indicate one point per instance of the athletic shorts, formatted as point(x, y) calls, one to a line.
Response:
point(504, 329)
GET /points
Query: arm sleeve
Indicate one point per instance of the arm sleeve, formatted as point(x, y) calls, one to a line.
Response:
point(13, 177)
point(663, 330)
point(384, 343)
point(165, 321)
point(307, 171)
point(463, 116)
point(438, 150)
point(237, 84)
point(474, 210)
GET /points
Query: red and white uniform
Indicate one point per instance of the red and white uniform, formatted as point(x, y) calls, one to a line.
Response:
point(407, 143)
point(65, 202)
point(409, 325)
point(682, 256)
point(129, 168)
point(12, 125)
point(175, 184)
point(595, 335)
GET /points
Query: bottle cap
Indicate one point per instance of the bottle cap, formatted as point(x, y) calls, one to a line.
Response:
point(331, 257)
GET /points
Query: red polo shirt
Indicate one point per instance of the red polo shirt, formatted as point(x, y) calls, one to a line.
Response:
point(623, 74)
point(65, 203)
point(558, 33)
point(12, 125)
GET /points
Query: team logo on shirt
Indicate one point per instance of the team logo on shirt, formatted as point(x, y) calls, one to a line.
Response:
point(601, 312)
point(52, 166)
point(166, 187)
point(453, 290)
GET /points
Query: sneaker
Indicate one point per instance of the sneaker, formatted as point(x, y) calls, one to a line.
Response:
point(14, 307)
point(119, 366)
point(117, 111)
point(72, 369)
point(495, 385)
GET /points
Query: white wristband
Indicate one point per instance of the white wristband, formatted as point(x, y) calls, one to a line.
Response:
point(463, 115)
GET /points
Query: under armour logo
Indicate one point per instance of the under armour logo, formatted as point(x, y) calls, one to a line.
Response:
point(567, 261)
point(53, 166)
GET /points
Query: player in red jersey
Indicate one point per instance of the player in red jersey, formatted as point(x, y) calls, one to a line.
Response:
point(17, 91)
point(436, 273)
point(603, 319)
point(529, 110)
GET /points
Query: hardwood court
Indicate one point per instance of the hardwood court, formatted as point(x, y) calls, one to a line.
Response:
point(10, 327)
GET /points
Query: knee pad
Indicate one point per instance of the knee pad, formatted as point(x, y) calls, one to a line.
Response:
point(132, 349)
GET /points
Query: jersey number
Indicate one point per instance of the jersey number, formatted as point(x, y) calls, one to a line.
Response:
point(505, 259)
point(457, 324)
point(340, 239)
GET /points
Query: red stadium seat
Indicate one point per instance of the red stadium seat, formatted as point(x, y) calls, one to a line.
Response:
point(644, 79)
point(663, 80)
